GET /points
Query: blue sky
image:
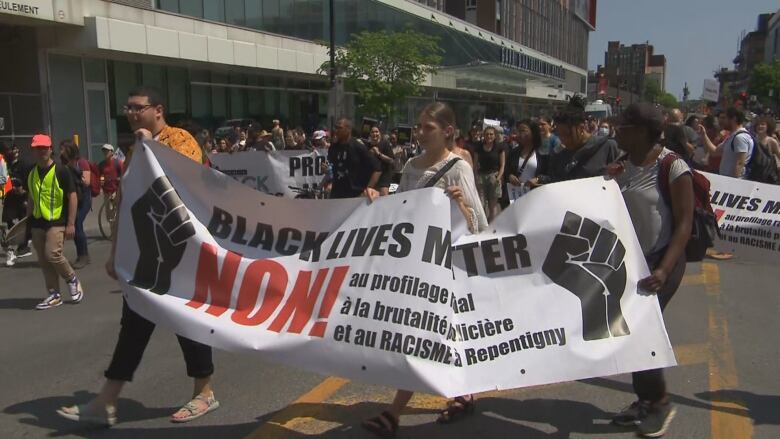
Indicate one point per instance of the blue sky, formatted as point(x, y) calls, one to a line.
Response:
point(697, 36)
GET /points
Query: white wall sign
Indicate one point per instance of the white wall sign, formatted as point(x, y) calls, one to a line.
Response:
point(28, 8)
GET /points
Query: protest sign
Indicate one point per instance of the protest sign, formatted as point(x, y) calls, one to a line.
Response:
point(387, 292)
point(748, 215)
point(710, 90)
point(274, 173)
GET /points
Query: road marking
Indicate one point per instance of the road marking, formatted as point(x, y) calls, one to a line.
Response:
point(692, 354)
point(727, 418)
point(691, 280)
point(274, 428)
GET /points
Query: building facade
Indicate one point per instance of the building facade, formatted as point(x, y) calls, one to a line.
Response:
point(214, 60)
point(772, 43)
point(629, 67)
point(755, 48)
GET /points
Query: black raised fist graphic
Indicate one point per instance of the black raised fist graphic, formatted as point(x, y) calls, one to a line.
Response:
point(587, 260)
point(162, 227)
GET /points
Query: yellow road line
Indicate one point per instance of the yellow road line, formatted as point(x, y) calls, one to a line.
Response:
point(728, 419)
point(690, 280)
point(274, 428)
point(691, 354)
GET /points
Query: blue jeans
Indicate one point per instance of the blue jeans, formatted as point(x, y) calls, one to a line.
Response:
point(81, 237)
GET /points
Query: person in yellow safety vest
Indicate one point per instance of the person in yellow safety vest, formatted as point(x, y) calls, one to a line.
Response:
point(51, 210)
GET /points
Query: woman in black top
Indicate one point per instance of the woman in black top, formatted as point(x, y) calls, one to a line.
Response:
point(490, 162)
point(523, 164)
point(384, 153)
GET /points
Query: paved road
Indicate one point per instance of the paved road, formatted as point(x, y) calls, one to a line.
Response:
point(723, 324)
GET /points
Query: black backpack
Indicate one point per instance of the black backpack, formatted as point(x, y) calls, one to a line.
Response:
point(761, 165)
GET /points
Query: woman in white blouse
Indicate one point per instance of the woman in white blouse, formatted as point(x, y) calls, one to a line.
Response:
point(436, 136)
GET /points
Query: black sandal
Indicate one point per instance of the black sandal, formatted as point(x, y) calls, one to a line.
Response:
point(456, 410)
point(378, 427)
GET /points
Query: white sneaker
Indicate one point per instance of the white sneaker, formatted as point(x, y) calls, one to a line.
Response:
point(52, 301)
point(76, 292)
point(10, 258)
point(23, 251)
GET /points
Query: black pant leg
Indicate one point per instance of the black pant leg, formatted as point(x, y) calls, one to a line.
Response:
point(134, 335)
point(198, 358)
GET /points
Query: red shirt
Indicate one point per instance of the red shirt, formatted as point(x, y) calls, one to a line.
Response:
point(110, 171)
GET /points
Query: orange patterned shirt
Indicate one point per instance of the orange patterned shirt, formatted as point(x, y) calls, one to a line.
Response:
point(182, 142)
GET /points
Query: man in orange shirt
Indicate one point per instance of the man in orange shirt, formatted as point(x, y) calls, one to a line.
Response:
point(145, 112)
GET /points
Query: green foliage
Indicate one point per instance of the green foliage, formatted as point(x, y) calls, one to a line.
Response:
point(764, 81)
point(654, 94)
point(386, 67)
point(652, 91)
point(667, 100)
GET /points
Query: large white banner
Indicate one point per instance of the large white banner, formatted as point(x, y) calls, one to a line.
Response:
point(388, 292)
point(276, 172)
point(748, 216)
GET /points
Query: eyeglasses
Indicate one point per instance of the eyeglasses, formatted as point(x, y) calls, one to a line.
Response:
point(135, 109)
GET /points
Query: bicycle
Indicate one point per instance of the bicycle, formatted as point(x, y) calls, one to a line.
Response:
point(308, 192)
point(107, 215)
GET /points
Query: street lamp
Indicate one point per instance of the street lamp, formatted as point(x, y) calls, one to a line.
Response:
point(332, 29)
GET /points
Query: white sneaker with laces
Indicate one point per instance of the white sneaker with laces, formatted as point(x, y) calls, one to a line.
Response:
point(52, 301)
point(76, 292)
point(10, 258)
point(23, 251)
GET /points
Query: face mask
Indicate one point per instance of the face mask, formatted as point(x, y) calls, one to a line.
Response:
point(603, 131)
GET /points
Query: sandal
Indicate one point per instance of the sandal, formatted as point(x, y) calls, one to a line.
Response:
point(384, 425)
point(79, 413)
point(456, 410)
point(197, 407)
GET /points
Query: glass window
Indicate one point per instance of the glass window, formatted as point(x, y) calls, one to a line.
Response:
point(219, 96)
point(94, 70)
point(214, 10)
point(154, 75)
point(193, 8)
point(254, 14)
point(170, 5)
point(125, 78)
point(271, 15)
point(177, 90)
point(234, 12)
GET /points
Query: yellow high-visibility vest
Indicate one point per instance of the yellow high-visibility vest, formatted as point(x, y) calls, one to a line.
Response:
point(47, 195)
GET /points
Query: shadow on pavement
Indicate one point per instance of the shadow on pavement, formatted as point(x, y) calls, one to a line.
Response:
point(495, 417)
point(677, 399)
point(762, 409)
point(21, 303)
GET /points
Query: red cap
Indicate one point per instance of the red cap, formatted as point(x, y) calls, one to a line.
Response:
point(41, 141)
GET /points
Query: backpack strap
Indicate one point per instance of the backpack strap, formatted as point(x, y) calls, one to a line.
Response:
point(742, 131)
point(440, 173)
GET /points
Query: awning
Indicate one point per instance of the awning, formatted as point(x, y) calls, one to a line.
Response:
point(497, 78)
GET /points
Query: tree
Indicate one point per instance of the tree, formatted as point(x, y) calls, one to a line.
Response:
point(667, 100)
point(765, 83)
point(653, 93)
point(386, 67)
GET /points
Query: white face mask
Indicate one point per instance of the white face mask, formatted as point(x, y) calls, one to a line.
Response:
point(603, 131)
